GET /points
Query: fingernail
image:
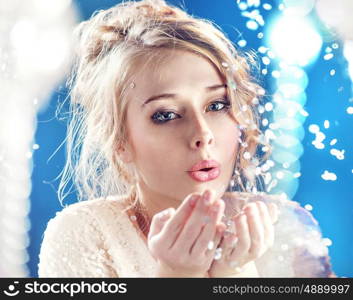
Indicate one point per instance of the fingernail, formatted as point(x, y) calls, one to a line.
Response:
point(193, 200)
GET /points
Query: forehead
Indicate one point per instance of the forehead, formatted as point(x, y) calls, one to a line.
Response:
point(174, 70)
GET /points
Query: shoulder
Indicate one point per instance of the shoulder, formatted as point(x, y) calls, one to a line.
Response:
point(84, 214)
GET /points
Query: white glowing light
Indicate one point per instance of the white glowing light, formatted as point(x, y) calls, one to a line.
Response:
point(242, 43)
point(329, 176)
point(327, 242)
point(266, 60)
point(297, 175)
point(333, 142)
point(268, 106)
point(332, 72)
point(328, 56)
point(298, 7)
point(262, 49)
point(267, 6)
point(337, 15)
point(288, 37)
point(337, 153)
point(313, 128)
point(308, 207)
point(326, 124)
point(350, 110)
point(252, 25)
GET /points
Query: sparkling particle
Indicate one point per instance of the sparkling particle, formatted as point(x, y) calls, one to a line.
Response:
point(268, 106)
point(338, 154)
point(304, 113)
point(297, 175)
point(276, 74)
point(328, 50)
point(262, 49)
point(328, 56)
point(279, 175)
point(260, 35)
point(244, 108)
point(218, 254)
point(265, 149)
point(247, 155)
point(242, 5)
point(267, 6)
point(255, 101)
point(264, 71)
point(335, 46)
point(261, 109)
point(286, 165)
point(308, 207)
point(333, 142)
point(332, 72)
point(242, 43)
point(266, 60)
point(313, 128)
point(327, 242)
point(210, 245)
point(326, 124)
point(252, 25)
point(225, 65)
point(35, 147)
point(350, 110)
point(264, 122)
point(329, 176)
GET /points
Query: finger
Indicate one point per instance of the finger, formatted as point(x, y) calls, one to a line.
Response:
point(228, 242)
point(210, 253)
point(267, 223)
point(256, 230)
point(244, 242)
point(208, 232)
point(159, 220)
point(195, 223)
point(175, 224)
point(274, 212)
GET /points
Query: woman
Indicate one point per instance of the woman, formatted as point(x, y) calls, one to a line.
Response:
point(164, 113)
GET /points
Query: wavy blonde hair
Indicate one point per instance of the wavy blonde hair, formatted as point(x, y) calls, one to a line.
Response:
point(109, 45)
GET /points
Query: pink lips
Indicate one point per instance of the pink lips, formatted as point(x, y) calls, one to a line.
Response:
point(198, 174)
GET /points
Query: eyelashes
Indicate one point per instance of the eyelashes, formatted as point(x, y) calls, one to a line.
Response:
point(164, 116)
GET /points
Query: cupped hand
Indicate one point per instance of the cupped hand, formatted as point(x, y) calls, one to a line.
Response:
point(253, 236)
point(183, 241)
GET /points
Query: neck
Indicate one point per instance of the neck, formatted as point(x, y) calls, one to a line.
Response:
point(153, 202)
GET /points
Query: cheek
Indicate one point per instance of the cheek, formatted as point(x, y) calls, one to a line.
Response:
point(149, 148)
point(228, 137)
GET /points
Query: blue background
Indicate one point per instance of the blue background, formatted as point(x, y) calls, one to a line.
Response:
point(328, 98)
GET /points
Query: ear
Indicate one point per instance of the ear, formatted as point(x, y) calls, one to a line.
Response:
point(125, 153)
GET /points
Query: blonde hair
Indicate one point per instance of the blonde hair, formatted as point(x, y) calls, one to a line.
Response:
point(109, 45)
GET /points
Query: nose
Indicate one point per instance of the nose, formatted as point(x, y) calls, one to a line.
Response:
point(202, 134)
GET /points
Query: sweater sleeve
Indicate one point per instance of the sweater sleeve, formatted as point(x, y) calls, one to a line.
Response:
point(73, 246)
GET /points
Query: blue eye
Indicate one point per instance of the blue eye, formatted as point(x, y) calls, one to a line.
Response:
point(220, 105)
point(161, 117)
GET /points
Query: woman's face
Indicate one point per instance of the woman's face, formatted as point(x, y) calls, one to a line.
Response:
point(186, 121)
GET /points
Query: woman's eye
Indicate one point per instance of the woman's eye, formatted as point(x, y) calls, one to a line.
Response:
point(161, 117)
point(219, 105)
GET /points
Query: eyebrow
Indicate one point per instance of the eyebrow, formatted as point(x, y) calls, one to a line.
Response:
point(171, 96)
